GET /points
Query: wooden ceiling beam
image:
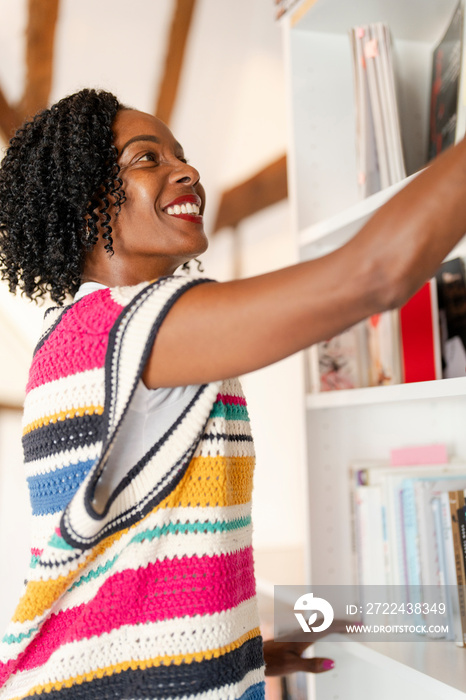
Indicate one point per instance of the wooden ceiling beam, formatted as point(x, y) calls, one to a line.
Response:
point(9, 118)
point(40, 39)
point(179, 32)
point(265, 188)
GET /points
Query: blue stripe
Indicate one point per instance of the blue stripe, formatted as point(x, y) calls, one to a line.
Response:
point(254, 692)
point(51, 492)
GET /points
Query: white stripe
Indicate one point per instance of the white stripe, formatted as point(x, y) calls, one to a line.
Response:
point(65, 394)
point(226, 448)
point(141, 642)
point(42, 528)
point(123, 295)
point(63, 459)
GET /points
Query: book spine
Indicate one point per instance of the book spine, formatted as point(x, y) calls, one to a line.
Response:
point(456, 502)
point(450, 568)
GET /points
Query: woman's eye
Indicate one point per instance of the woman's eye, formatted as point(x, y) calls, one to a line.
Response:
point(148, 157)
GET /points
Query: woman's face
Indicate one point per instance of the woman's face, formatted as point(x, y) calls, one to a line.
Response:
point(160, 225)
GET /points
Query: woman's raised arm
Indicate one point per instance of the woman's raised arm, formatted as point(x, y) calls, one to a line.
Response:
point(220, 330)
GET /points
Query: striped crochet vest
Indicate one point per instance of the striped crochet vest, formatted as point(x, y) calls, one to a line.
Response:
point(155, 596)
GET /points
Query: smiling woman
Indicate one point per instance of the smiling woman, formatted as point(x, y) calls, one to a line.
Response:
point(154, 235)
point(137, 445)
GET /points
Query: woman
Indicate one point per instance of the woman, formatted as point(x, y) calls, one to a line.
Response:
point(141, 581)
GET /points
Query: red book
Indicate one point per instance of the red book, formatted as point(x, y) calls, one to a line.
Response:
point(420, 342)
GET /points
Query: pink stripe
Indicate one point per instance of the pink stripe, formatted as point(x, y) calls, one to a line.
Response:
point(229, 398)
point(95, 314)
point(36, 552)
point(163, 590)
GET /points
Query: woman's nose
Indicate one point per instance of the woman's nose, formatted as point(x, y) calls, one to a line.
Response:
point(186, 174)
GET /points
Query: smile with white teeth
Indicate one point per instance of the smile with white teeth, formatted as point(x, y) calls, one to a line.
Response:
point(185, 208)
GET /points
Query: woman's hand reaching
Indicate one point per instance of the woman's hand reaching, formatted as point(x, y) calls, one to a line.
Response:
point(283, 658)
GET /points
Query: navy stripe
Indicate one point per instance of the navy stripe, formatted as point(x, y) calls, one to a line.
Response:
point(175, 680)
point(51, 492)
point(224, 436)
point(62, 435)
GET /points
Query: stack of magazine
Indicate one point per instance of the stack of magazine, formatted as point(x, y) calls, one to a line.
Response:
point(378, 137)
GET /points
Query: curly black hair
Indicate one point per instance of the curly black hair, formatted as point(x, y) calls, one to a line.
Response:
point(59, 177)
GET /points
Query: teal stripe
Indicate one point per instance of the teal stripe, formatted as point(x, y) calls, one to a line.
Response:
point(229, 411)
point(169, 529)
point(95, 574)
point(34, 560)
point(11, 639)
point(59, 542)
point(189, 528)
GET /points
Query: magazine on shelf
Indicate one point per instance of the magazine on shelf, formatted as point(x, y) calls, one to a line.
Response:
point(446, 71)
point(379, 149)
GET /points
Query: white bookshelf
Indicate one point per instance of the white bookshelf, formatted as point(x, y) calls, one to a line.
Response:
point(386, 671)
point(347, 426)
point(422, 391)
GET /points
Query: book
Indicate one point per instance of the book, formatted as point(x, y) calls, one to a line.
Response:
point(369, 534)
point(446, 70)
point(451, 583)
point(420, 336)
point(451, 294)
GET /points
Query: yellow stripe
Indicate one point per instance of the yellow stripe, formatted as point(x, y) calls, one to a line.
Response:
point(213, 481)
point(63, 415)
point(176, 659)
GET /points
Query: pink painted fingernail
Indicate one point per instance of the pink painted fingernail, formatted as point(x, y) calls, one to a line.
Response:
point(328, 664)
